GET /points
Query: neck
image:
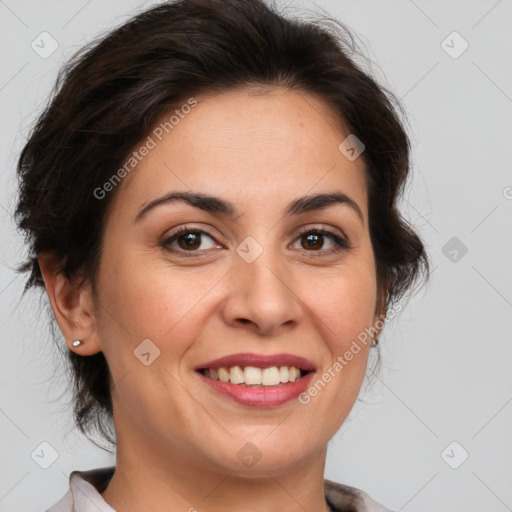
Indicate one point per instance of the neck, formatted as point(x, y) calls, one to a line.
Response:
point(152, 477)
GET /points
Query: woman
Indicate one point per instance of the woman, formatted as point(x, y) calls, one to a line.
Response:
point(210, 202)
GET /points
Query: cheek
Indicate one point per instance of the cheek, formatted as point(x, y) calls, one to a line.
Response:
point(147, 301)
point(144, 299)
point(345, 304)
point(344, 307)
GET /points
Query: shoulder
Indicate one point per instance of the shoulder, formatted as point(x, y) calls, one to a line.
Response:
point(343, 498)
point(84, 492)
point(85, 488)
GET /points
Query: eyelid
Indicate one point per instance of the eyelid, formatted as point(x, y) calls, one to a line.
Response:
point(322, 228)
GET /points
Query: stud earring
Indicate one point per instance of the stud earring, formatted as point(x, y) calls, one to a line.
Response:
point(76, 343)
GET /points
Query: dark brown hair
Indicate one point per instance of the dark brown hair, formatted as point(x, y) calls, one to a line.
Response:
point(109, 96)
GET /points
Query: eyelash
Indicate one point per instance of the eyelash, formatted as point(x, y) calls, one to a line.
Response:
point(341, 243)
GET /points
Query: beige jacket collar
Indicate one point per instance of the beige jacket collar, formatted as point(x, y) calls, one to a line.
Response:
point(85, 488)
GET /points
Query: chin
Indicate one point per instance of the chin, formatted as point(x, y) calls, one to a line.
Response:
point(258, 458)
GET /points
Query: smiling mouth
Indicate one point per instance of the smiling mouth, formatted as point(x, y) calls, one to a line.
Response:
point(254, 377)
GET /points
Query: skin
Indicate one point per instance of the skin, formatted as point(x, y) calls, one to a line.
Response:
point(177, 440)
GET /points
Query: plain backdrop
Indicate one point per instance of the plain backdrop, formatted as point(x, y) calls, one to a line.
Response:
point(433, 432)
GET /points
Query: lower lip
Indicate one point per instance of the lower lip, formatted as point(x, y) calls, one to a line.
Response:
point(260, 397)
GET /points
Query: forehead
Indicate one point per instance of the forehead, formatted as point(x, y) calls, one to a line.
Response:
point(250, 145)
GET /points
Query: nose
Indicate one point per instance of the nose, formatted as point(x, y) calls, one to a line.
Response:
point(262, 296)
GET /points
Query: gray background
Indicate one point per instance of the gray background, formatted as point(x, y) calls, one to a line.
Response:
point(446, 374)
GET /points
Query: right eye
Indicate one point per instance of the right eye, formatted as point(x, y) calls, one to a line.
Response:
point(188, 240)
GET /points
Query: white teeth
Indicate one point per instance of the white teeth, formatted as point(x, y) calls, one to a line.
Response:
point(270, 376)
point(236, 375)
point(293, 373)
point(253, 376)
point(223, 374)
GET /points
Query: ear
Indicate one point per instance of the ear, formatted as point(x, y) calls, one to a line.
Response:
point(379, 318)
point(72, 305)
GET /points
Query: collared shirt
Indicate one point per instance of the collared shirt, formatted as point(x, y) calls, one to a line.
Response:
point(85, 488)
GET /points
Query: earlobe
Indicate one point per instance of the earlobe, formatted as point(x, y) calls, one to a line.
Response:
point(73, 307)
point(379, 320)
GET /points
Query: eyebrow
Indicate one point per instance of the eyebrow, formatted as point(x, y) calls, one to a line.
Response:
point(216, 205)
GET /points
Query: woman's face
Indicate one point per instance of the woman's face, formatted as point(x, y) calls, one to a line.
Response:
point(249, 283)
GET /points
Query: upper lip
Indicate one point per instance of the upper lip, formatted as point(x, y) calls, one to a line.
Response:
point(260, 361)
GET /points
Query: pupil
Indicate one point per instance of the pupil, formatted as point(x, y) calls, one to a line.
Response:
point(190, 240)
point(314, 240)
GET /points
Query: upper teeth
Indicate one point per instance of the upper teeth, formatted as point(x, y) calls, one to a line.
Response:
point(251, 375)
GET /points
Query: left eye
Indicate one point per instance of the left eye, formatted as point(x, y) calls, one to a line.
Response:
point(190, 240)
point(316, 237)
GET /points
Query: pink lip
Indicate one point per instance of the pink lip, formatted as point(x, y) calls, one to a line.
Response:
point(260, 361)
point(260, 397)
